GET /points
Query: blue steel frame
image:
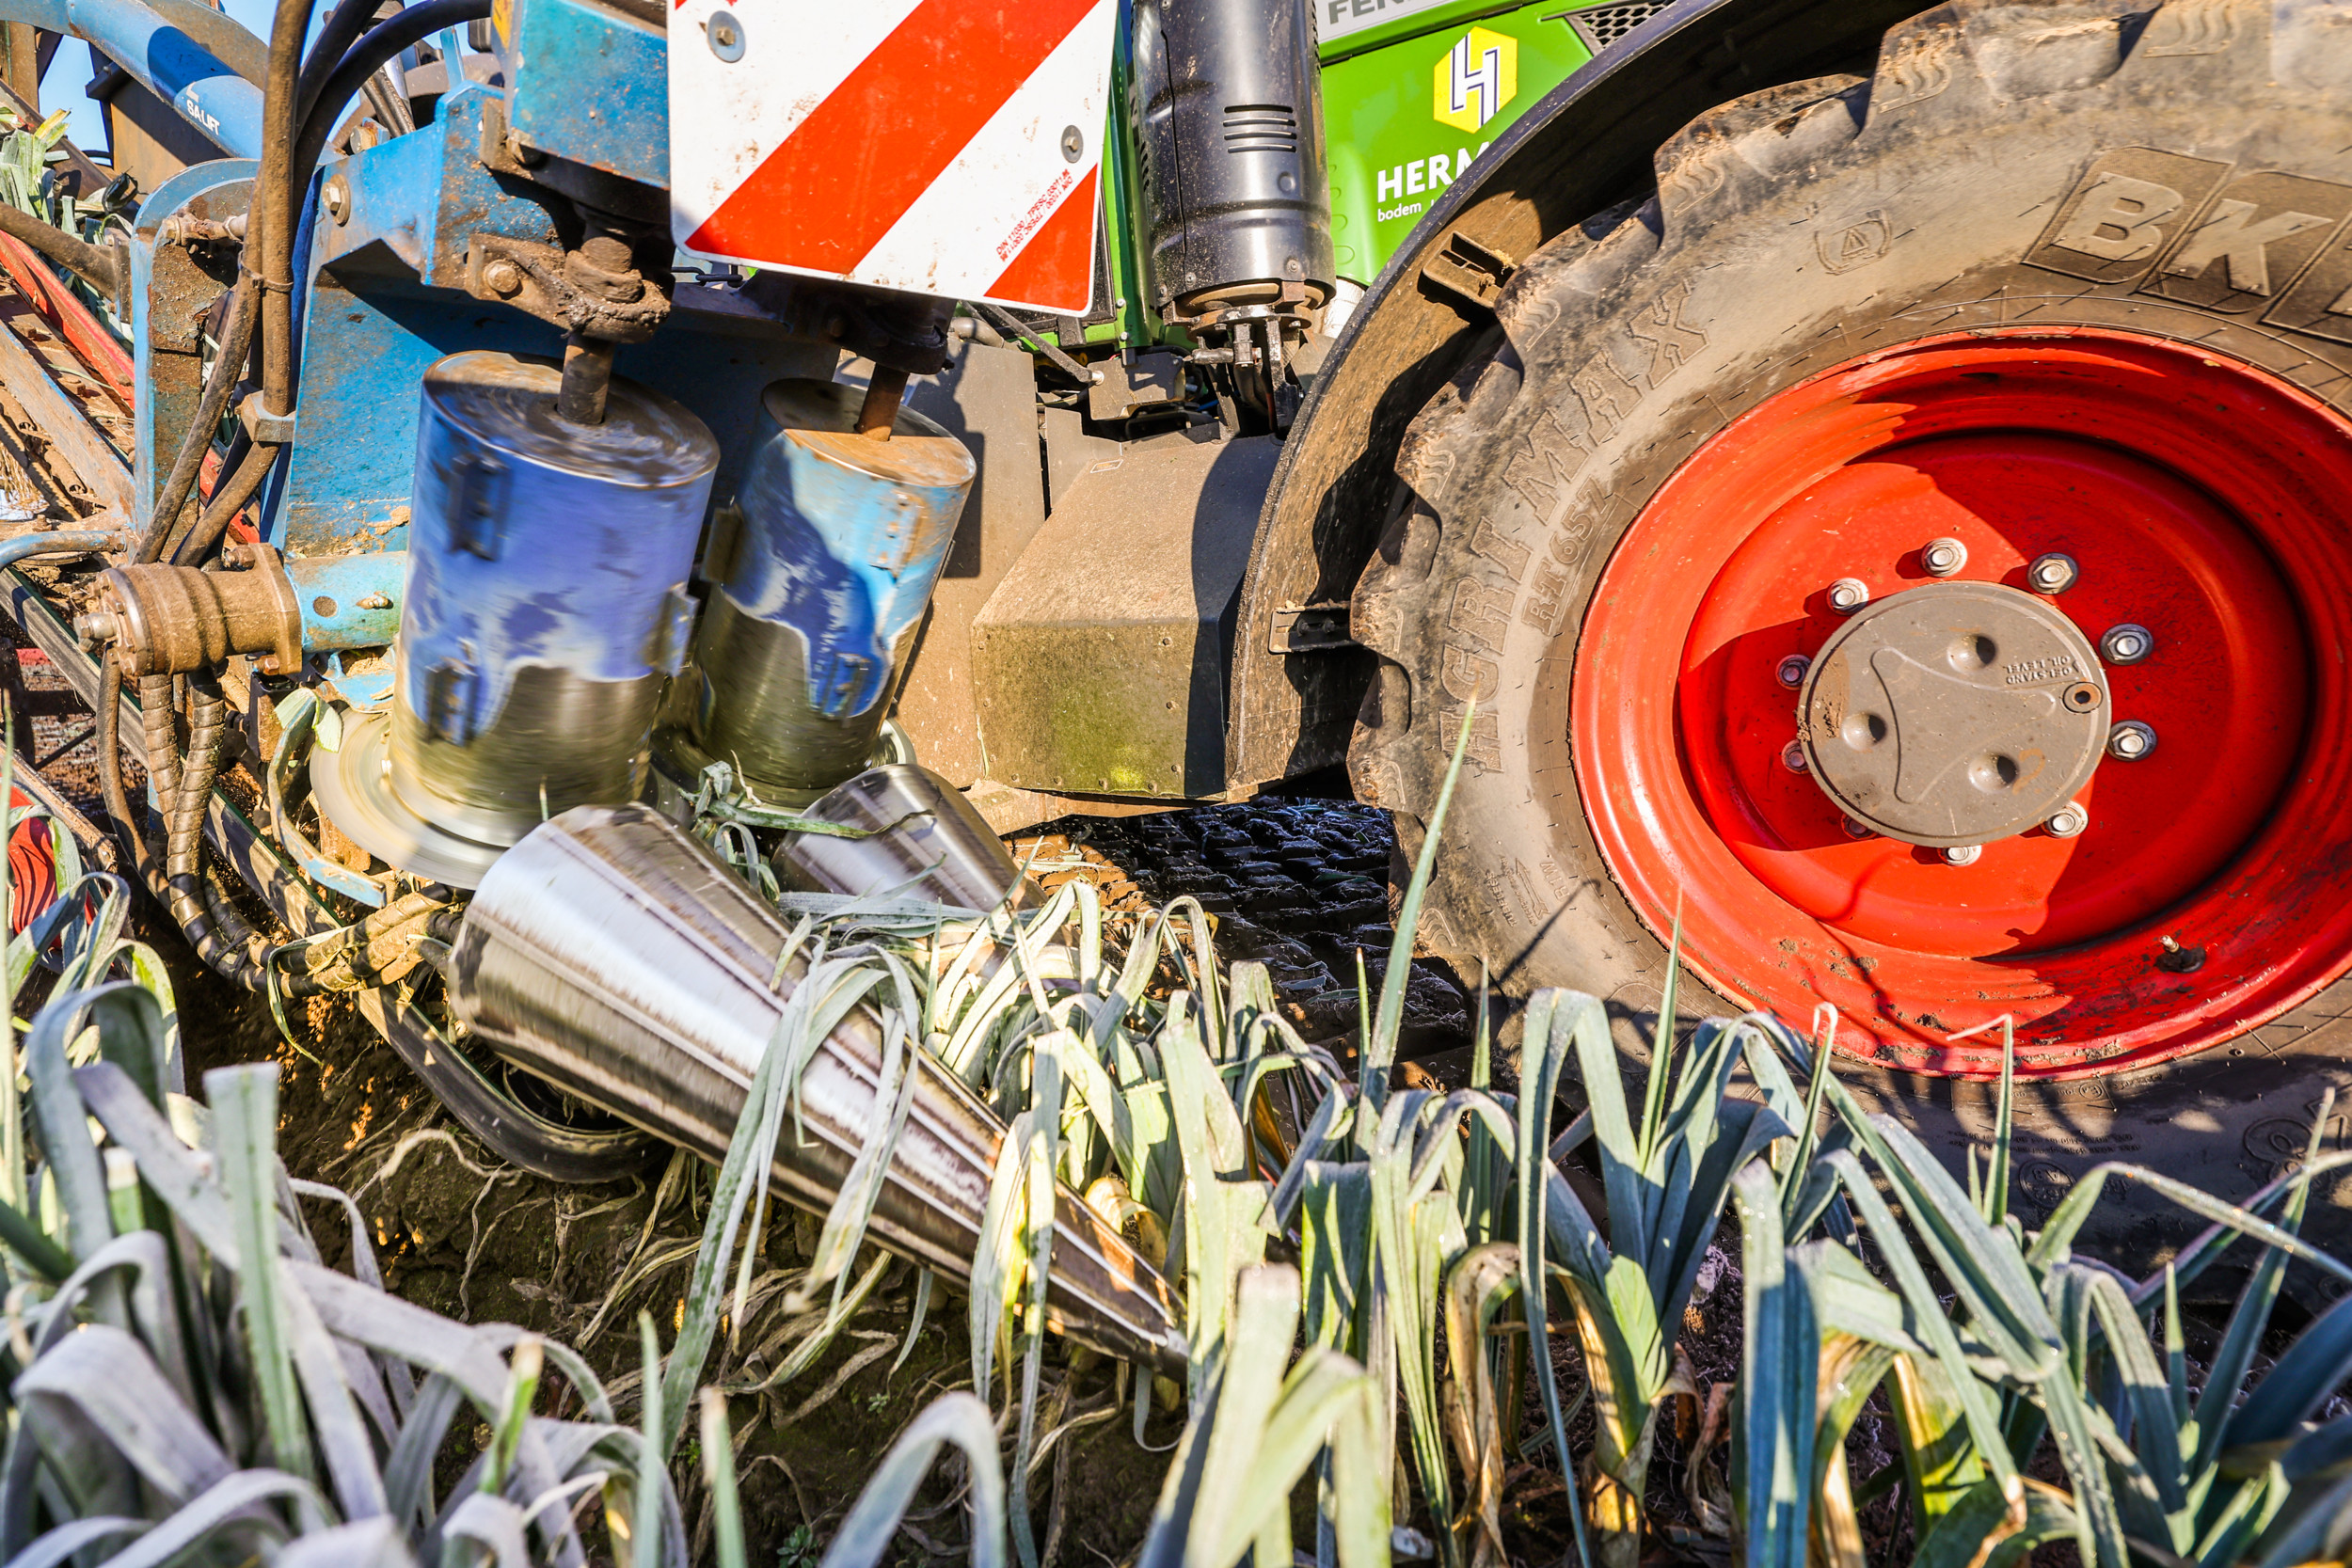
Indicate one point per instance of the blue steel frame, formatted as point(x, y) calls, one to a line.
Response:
point(381, 294)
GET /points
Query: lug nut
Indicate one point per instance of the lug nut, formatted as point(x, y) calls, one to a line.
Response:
point(2127, 644)
point(2053, 573)
point(1943, 557)
point(1848, 595)
point(2130, 740)
point(1963, 854)
point(1792, 671)
point(1855, 830)
point(1792, 756)
point(2068, 822)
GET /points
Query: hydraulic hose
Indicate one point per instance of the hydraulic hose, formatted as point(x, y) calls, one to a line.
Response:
point(383, 42)
point(236, 347)
point(343, 29)
point(141, 859)
point(183, 845)
point(229, 498)
point(279, 198)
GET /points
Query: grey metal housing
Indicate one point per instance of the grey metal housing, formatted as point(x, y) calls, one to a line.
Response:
point(1228, 111)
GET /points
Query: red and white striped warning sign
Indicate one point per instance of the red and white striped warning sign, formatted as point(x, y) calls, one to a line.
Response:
point(944, 147)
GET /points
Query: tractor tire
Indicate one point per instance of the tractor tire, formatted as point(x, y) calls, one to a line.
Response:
point(2072, 276)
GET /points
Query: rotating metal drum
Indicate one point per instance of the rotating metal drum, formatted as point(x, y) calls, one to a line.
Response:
point(546, 608)
point(841, 542)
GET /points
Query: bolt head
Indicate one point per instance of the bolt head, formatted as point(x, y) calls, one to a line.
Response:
point(1963, 854)
point(1943, 558)
point(2053, 573)
point(2127, 644)
point(1792, 669)
point(2068, 822)
point(502, 276)
point(1848, 595)
point(1073, 144)
point(1855, 830)
point(1792, 756)
point(2131, 740)
point(725, 34)
point(335, 196)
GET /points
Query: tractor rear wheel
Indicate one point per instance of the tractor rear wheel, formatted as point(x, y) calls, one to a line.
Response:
point(2012, 387)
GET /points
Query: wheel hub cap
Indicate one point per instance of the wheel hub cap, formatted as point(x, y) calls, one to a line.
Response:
point(1994, 675)
point(1955, 712)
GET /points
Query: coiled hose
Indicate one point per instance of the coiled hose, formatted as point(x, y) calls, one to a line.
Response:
point(170, 863)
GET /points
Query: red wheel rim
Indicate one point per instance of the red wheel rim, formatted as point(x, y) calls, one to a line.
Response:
point(2200, 496)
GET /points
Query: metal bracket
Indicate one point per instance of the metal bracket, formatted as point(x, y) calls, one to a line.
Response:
point(1311, 628)
point(1469, 270)
point(560, 287)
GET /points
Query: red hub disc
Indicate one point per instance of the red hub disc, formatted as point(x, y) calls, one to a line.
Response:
point(2200, 498)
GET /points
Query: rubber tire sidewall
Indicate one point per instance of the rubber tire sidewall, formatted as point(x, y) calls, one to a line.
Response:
point(1639, 344)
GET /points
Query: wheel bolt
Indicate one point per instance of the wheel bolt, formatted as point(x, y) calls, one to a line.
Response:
point(1792, 671)
point(1943, 557)
point(1963, 854)
point(2130, 740)
point(1792, 756)
point(1854, 828)
point(2052, 573)
point(1848, 595)
point(2068, 822)
point(2127, 644)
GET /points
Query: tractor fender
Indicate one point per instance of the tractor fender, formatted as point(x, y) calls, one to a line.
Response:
point(1293, 695)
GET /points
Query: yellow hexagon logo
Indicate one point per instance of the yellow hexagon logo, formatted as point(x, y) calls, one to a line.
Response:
point(1476, 78)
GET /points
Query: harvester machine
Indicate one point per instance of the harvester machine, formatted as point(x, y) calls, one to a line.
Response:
point(1861, 482)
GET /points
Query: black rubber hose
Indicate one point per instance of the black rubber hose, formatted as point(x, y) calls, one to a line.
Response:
point(183, 844)
point(236, 347)
point(229, 498)
point(383, 42)
point(142, 859)
point(344, 27)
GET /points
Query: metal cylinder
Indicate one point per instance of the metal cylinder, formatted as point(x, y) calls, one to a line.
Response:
point(922, 838)
point(611, 953)
point(1228, 115)
point(840, 543)
point(546, 601)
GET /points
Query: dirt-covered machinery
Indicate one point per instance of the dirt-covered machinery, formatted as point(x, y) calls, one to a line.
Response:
point(1869, 478)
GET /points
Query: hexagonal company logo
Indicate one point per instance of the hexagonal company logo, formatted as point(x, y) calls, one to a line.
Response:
point(1476, 78)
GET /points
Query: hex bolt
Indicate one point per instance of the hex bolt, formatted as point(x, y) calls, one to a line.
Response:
point(2127, 644)
point(1073, 144)
point(2130, 740)
point(1963, 854)
point(2053, 573)
point(335, 196)
point(1943, 558)
point(1792, 669)
point(1848, 595)
point(1855, 830)
point(1792, 756)
point(727, 37)
point(2068, 822)
point(502, 276)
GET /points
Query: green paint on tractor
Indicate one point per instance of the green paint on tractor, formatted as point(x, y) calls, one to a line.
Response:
point(1414, 91)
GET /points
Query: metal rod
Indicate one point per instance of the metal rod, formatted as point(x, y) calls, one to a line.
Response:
point(587, 377)
point(879, 413)
point(102, 268)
